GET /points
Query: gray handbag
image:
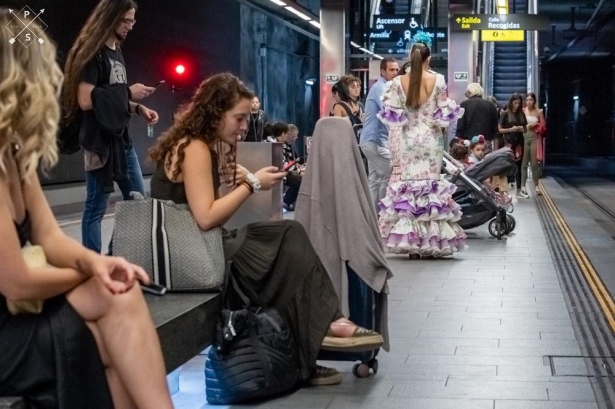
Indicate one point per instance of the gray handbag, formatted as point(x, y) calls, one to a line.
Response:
point(164, 239)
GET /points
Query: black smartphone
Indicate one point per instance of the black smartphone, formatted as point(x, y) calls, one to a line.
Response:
point(155, 289)
point(159, 83)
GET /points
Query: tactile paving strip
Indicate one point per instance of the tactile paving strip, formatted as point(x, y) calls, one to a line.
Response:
point(591, 327)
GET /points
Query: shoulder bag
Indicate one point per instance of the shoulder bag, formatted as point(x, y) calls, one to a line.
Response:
point(164, 239)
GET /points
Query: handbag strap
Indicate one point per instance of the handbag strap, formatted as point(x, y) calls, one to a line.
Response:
point(228, 276)
point(244, 298)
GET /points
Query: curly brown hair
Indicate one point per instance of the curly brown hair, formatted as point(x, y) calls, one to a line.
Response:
point(201, 119)
point(101, 24)
point(459, 152)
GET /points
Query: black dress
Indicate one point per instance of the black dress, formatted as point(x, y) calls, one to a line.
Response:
point(51, 358)
point(277, 267)
point(515, 140)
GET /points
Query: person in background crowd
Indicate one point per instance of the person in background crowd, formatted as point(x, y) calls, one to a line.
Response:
point(336, 92)
point(258, 119)
point(348, 89)
point(461, 153)
point(375, 135)
point(277, 132)
point(350, 107)
point(512, 125)
point(273, 262)
point(532, 140)
point(109, 155)
point(354, 86)
point(480, 117)
point(91, 343)
point(477, 149)
point(281, 132)
point(295, 172)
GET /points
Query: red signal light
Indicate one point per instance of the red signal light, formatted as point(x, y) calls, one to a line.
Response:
point(180, 69)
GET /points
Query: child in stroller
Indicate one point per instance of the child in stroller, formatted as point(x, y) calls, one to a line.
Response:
point(471, 154)
point(479, 202)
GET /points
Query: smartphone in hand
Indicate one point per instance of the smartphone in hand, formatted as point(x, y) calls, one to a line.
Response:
point(159, 83)
point(153, 288)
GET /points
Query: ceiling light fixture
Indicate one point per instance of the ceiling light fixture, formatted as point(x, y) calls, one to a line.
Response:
point(298, 13)
point(355, 45)
point(315, 23)
point(278, 2)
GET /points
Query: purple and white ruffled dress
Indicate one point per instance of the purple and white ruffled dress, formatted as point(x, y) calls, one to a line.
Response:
point(418, 214)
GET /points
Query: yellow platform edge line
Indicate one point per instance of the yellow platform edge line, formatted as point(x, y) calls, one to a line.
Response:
point(593, 279)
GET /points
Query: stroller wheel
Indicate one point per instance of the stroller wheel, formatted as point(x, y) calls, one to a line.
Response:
point(511, 223)
point(510, 208)
point(497, 229)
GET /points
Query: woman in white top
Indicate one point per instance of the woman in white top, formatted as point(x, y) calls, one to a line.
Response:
point(531, 140)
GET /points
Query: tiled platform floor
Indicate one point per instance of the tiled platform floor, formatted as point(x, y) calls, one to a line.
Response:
point(467, 333)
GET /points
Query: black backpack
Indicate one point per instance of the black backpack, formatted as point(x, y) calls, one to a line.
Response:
point(355, 120)
point(68, 129)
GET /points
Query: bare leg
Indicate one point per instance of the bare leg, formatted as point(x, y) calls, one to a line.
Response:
point(121, 397)
point(128, 336)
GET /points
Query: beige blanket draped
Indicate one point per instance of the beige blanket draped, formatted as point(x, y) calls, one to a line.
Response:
point(335, 207)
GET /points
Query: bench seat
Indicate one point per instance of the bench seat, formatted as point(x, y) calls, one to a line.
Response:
point(185, 324)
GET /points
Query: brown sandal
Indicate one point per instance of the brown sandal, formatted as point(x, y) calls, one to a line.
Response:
point(362, 339)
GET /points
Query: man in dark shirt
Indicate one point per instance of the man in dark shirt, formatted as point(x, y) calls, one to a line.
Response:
point(257, 121)
point(480, 117)
point(96, 66)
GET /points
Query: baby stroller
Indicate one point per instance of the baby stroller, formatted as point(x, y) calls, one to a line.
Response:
point(481, 204)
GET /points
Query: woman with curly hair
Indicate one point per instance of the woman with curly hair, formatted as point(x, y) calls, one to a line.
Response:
point(274, 262)
point(88, 341)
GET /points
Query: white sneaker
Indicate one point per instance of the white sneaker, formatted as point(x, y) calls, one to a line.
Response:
point(537, 192)
point(522, 194)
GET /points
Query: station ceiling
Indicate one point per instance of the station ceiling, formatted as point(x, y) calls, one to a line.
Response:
point(579, 28)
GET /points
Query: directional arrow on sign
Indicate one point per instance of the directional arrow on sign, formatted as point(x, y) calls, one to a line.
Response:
point(458, 20)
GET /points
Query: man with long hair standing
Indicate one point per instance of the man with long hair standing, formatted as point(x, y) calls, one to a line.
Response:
point(95, 71)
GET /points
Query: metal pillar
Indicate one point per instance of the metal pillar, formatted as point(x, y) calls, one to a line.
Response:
point(461, 51)
point(487, 61)
point(533, 61)
point(333, 46)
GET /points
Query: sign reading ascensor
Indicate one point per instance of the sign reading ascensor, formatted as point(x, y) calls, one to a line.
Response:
point(26, 26)
point(463, 22)
point(396, 22)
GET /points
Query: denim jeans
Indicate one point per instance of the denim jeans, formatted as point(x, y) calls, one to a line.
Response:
point(96, 201)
